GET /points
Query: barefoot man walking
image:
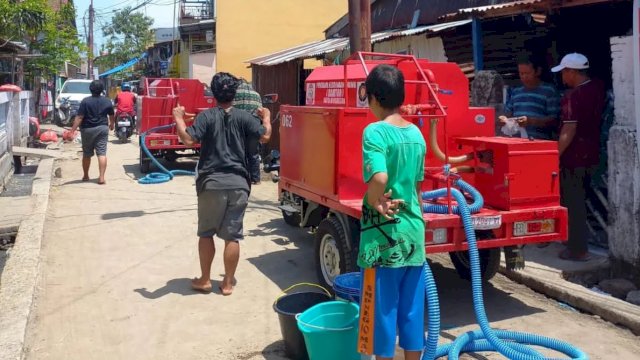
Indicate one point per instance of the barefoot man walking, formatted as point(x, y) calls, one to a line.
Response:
point(223, 181)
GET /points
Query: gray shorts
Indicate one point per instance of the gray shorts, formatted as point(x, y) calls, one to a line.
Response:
point(221, 213)
point(95, 139)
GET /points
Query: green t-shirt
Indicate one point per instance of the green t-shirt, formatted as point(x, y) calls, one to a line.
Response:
point(399, 152)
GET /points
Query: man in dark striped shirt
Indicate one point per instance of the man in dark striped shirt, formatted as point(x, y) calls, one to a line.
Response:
point(249, 100)
point(536, 102)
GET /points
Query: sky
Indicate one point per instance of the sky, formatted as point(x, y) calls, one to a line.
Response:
point(161, 11)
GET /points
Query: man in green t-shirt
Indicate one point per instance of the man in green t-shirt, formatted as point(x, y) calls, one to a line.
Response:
point(392, 249)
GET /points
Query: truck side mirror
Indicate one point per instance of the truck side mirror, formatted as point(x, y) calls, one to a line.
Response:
point(270, 99)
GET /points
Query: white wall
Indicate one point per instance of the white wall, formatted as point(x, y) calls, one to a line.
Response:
point(636, 58)
point(624, 162)
point(5, 104)
point(623, 84)
point(202, 66)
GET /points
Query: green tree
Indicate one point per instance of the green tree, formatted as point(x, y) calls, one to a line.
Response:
point(128, 36)
point(58, 42)
point(48, 33)
point(22, 20)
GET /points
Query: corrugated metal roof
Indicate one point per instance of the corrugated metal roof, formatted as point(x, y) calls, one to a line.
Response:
point(326, 46)
point(514, 6)
point(12, 46)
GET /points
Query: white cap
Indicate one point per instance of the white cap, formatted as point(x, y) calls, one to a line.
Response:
point(572, 61)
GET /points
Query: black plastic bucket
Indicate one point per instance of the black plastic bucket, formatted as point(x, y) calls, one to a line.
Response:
point(287, 307)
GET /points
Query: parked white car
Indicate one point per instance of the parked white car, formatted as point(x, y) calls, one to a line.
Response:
point(68, 100)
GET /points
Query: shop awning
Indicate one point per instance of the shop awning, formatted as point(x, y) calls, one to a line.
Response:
point(515, 8)
point(317, 48)
point(124, 66)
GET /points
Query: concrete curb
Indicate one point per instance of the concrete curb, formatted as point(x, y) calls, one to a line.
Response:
point(6, 168)
point(608, 308)
point(20, 275)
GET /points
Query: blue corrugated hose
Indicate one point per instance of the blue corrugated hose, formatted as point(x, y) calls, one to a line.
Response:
point(165, 175)
point(513, 345)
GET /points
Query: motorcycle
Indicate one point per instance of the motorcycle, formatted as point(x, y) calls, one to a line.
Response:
point(271, 164)
point(66, 112)
point(124, 126)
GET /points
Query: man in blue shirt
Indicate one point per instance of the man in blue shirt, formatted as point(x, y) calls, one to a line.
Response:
point(536, 103)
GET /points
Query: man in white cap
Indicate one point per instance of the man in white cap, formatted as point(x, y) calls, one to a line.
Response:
point(579, 146)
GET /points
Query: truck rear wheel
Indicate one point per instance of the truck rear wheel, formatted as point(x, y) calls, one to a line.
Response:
point(489, 263)
point(489, 259)
point(145, 162)
point(333, 255)
point(292, 218)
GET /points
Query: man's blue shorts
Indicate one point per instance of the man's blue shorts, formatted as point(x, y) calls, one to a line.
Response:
point(392, 303)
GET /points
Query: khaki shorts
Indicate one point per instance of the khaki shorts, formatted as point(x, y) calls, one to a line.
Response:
point(221, 213)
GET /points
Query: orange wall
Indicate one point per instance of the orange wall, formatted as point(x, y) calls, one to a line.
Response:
point(247, 29)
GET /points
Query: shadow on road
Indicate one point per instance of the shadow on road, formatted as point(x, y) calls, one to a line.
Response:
point(80, 181)
point(274, 351)
point(117, 141)
point(456, 303)
point(176, 286)
point(127, 214)
point(140, 213)
point(290, 265)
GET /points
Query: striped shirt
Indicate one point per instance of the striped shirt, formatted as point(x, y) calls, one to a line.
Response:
point(246, 98)
point(540, 102)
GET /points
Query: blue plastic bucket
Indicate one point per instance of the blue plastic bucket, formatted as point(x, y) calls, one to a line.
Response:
point(347, 287)
point(330, 330)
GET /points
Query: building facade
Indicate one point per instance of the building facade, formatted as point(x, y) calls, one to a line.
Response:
point(250, 28)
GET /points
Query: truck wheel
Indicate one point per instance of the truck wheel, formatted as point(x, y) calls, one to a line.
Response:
point(292, 218)
point(171, 156)
point(489, 260)
point(333, 257)
point(145, 162)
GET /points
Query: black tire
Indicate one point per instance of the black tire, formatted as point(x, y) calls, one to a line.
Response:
point(56, 118)
point(171, 156)
point(333, 256)
point(489, 261)
point(292, 218)
point(145, 162)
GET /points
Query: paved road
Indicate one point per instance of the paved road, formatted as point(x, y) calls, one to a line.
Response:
point(114, 281)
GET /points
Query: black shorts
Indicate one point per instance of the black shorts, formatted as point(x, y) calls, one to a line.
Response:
point(221, 213)
point(95, 139)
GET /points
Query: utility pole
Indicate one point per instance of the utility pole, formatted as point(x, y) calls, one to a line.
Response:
point(90, 41)
point(360, 25)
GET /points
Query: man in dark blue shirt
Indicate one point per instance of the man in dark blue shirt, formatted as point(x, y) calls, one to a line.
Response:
point(95, 118)
point(535, 102)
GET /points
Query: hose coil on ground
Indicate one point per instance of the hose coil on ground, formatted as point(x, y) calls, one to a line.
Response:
point(165, 175)
point(513, 345)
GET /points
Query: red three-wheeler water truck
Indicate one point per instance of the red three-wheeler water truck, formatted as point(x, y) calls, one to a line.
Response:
point(321, 183)
point(156, 101)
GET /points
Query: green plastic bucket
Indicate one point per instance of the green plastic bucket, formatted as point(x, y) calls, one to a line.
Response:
point(330, 330)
